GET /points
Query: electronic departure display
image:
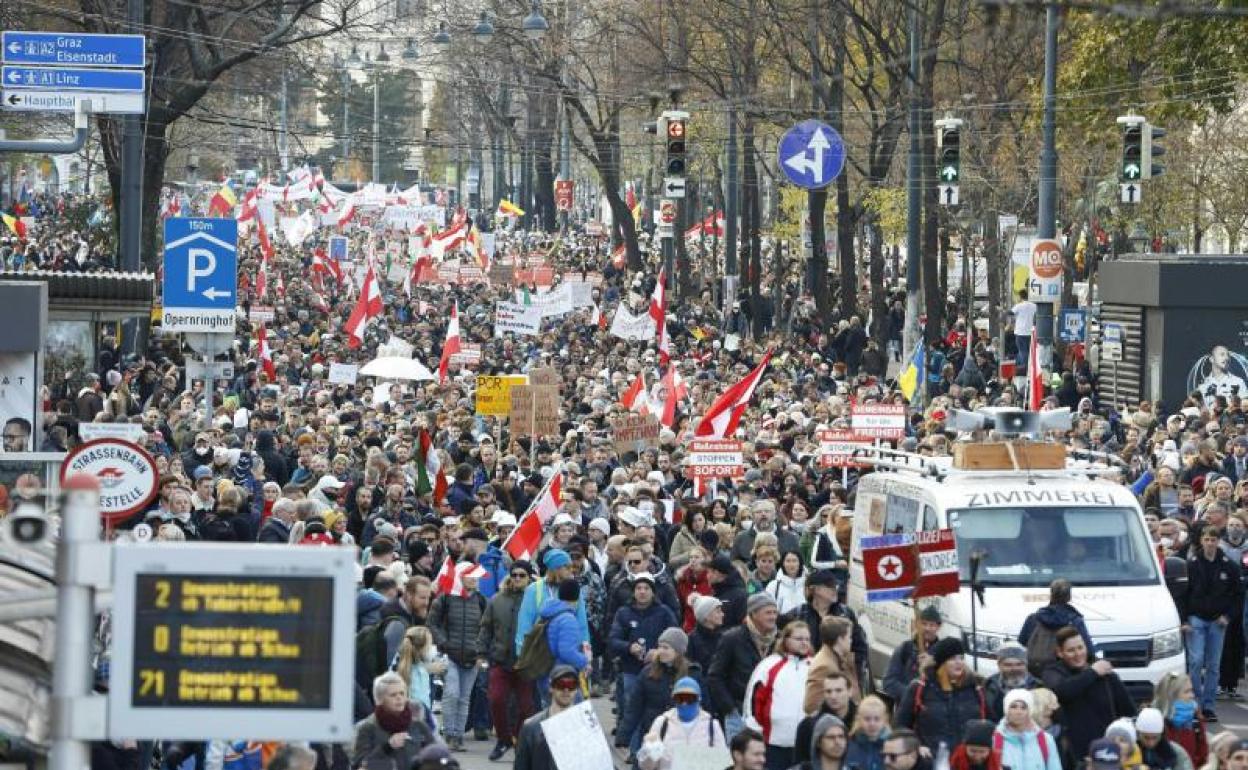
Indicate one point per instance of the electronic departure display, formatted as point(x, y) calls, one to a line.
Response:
point(212, 640)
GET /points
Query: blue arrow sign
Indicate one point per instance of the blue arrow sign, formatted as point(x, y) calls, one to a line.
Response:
point(73, 79)
point(201, 264)
point(72, 49)
point(811, 154)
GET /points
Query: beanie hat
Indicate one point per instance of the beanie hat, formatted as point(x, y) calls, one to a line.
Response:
point(1015, 696)
point(676, 639)
point(417, 549)
point(931, 615)
point(978, 732)
point(1011, 652)
point(721, 563)
point(1150, 721)
point(703, 606)
point(569, 590)
point(1121, 728)
point(944, 649)
point(556, 558)
point(758, 602)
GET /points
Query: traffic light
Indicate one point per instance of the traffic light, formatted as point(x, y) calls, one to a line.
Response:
point(1150, 150)
point(1133, 152)
point(950, 141)
point(676, 147)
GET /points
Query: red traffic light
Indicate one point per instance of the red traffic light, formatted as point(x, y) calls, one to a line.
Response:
point(676, 129)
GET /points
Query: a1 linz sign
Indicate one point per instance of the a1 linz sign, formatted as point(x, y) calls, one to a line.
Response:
point(126, 472)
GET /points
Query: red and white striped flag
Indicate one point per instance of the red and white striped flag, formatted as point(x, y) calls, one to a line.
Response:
point(367, 307)
point(451, 346)
point(720, 420)
point(527, 536)
point(658, 311)
point(264, 353)
point(635, 399)
point(450, 580)
point(1035, 377)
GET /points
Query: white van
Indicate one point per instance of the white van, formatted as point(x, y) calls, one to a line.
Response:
point(1031, 527)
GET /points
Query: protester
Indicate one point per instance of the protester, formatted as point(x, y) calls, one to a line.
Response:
point(868, 734)
point(939, 705)
point(686, 723)
point(532, 751)
point(1021, 743)
point(1156, 751)
point(773, 695)
point(834, 657)
point(740, 651)
point(395, 733)
point(1091, 695)
point(907, 662)
point(511, 698)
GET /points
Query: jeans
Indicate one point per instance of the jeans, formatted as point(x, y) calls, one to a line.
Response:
point(1204, 657)
point(504, 685)
point(456, 693)
point(1024, 350)
point(779, 757)
point(629, 683)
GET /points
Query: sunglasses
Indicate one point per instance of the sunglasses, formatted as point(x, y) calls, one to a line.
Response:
point(520, 576)
point(566, 685)
point(889, 756)
point(684, 699)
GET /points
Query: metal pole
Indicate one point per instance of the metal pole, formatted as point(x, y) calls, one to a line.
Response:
point(730, 213)
point(132, 168)
point(914, 201)
point(284, 148)
point(1046, 224)
point(71, 676)
point(376, 125)
point(346, 118)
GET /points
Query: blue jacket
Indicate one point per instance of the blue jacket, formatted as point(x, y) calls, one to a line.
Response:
point(461, 497)
point(563, 633)
point(532, 604)
point(1055, 616)
point(633, 624)
point(864, 753)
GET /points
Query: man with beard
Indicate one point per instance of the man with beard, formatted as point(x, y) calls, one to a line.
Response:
point(1011, 674)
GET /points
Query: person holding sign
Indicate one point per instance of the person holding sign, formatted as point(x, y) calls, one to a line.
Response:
point(395, 733)
point(532, 752)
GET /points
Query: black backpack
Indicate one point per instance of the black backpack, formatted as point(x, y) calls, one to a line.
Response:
point(370, 652)
point(1041, 648)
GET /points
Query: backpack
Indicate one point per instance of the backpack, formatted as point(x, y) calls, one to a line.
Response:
point(710, 731)
point(1041, 648)
point(370, 652)
point(998, 744)
point(536, 659)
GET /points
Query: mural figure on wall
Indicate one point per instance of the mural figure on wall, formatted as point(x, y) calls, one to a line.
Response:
point(1220, 373)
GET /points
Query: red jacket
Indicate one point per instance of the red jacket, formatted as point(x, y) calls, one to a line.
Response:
point(958, 760)
point(1193, 740)
point(691, 584)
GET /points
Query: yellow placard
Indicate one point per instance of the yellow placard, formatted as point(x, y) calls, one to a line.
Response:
point(494, 394)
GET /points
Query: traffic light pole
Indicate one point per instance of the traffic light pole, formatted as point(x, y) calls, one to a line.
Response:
point(914, 202)
point(1046, 223)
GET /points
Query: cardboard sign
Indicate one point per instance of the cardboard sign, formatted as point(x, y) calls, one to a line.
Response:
point(345, 374)
point(635, 432)
point(715, 459)
point(517, 318)
point(627, 326)
point(837, 447)
point(547, 375)
point(886, 421)
point(535, 410)
point(502, 275)
point(494, 394)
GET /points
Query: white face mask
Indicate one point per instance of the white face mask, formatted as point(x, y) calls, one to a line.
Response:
point(747, 525)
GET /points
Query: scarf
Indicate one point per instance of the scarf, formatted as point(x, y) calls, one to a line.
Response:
point(393, 722)
point(763, 642)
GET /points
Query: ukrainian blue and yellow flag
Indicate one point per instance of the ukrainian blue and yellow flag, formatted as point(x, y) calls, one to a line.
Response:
point(911, 378)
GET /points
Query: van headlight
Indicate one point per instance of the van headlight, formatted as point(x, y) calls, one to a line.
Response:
point(1167, 644)
point(983, 644)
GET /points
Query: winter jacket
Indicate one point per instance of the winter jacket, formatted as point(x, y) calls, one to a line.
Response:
point(773, 698)
point(275, 468)
point(1055, 616)
point(653, 696)
point(811, 617)
point(633, 624)
point(620, 594)
point(937, 714)
point(532, 752)
point(461, 497)
point(1089, 702)
point(536, 596)
point(688, 584)
point(825, 663)
point(743, 546)
point(702, 645)
point(1193, 739)
point(805, 743)
point(563, 634)
point(371, 749)
point(734, 662)
point(1022, 751)
point(704, 730)
point(274, 531)
point(788, 592)
point(1213, 587)
point(903, 668)
point(1166, 755)
point(455, 622)
point(731, 591)
point(995, 690)
point(682, 542)
point(958, 760)
point(498, 628)
point(865, 753)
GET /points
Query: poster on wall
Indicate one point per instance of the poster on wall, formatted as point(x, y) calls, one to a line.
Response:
point(1220, 372)
point(18, 393)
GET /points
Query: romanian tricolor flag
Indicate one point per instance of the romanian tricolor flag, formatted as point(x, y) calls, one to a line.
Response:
point(224, 201)
point(15, 225)
point(508, 209)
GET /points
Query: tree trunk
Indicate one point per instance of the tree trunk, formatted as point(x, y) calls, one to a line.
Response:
point(750, 205)
point(845, 248)
point(818, 283)
point(155, 154)
point(879, 289)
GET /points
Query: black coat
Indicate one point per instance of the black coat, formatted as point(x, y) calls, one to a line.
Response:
point(807, 614)
point(730, 670)
point(1089, 702)
point(532, 752)
point(702, 646)
point(1213, 587)
point(654, 696)
point(938, 715)
point(732, 592)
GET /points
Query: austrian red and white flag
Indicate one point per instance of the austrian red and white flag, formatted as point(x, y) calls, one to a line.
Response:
point(450, 579)
point(658, 311)
point(1035, 377)
point(720, 420)
point(264, 353)
point(635, 399)
point(266, 246)
point(367, 307)
point(262, 280)
point(527, 536)
point(674, 391)
point(451, 346)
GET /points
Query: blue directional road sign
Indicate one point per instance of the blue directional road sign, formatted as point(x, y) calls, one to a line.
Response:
point(338, 248)
point(73, 79)
point(1074, 324)
point(201, 275)
point(72, 49)
point(811, 154)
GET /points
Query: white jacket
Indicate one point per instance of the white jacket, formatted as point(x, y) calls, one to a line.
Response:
point(702, 731)
point(789, 593)
point(788, 689)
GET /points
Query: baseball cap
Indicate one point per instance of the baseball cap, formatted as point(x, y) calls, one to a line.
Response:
point(1104, 754)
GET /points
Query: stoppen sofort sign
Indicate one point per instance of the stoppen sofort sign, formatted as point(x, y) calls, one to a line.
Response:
point(715, 459)
point(126, 472)
point(886, 421)
point(893, 568)
point(213, 636)
point(837, 447)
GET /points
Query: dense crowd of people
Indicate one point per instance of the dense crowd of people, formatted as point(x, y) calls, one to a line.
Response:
point(57, 231)
point(713, 614)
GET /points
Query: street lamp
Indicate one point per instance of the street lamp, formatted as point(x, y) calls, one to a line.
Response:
point(409, 51)
point(535, 25)
point(442, 36)
point(484, 29)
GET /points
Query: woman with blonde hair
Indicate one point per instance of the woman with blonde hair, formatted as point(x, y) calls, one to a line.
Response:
point(867, 735)
point(1175, 698)
point(417, 662)
point(1044, 708)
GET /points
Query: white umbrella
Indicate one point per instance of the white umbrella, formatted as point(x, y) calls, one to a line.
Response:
point(396, 368)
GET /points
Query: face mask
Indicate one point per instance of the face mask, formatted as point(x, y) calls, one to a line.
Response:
point(202, 451)
point(746, 525)
point(687, 712)
point(1184, 713)
point(797, 526)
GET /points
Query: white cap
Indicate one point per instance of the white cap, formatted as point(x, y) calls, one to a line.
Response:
point(561, 519)
point(1150, 722)
point(503, 519)
point(601, 524)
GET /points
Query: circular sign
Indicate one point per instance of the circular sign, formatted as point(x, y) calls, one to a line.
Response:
point(811, 154)
point(1046, 259)
point(890, 568)
point(126, 472)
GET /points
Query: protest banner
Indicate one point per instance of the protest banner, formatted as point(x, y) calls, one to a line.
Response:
point(517, 318)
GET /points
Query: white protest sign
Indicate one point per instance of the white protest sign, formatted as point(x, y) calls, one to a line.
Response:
point(700, 757)
point(517, 318)
point(577, 740)
point(345, 374)
point(582, 293)
point(552, 303)
point(627, 326)
point(126, 431)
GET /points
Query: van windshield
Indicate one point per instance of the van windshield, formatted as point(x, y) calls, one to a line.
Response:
point(1032, 546)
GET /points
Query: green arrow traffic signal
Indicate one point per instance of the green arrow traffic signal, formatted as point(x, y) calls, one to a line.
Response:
point(1132, 152)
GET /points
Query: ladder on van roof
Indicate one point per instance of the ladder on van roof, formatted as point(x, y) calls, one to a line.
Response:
point(1094, 465)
